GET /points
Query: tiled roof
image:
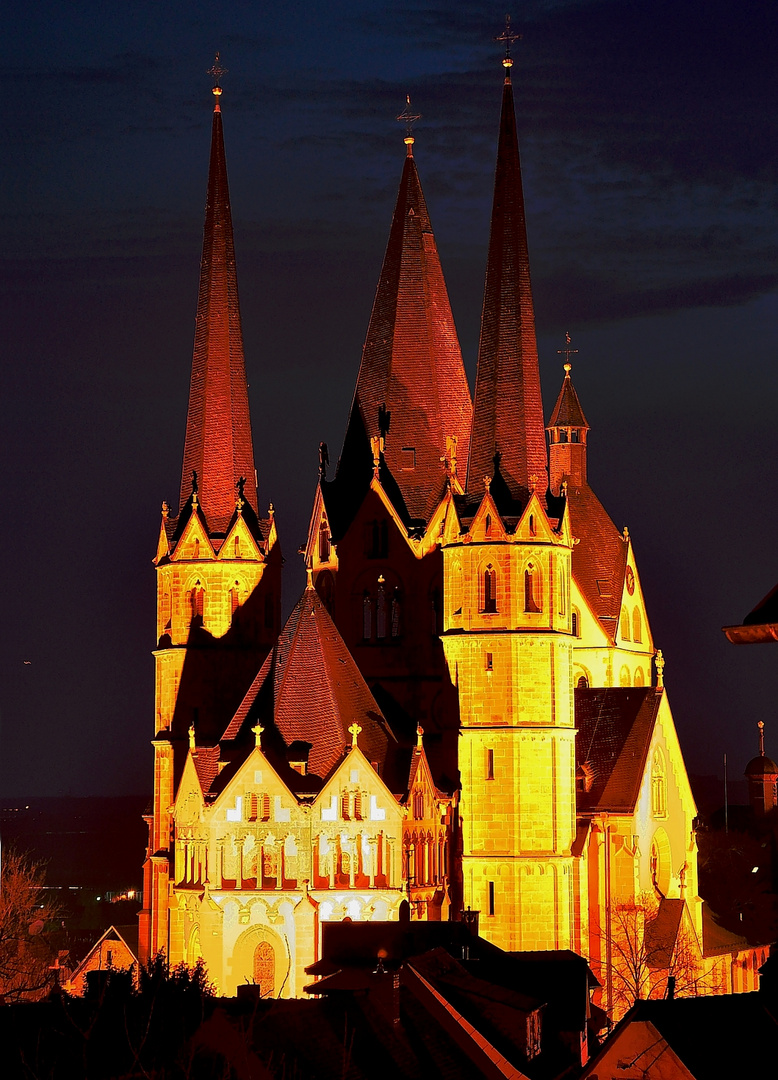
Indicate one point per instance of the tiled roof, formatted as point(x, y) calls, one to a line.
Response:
point(567, 411)
point(662, 931)
point(716, 939)
point(508, 409)
point(411, 363)
point(600, 556)
point(218, 428)
point(614, 725)
point(311, 690)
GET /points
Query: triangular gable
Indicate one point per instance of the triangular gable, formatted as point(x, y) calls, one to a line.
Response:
point(487, 523)
point(248, 547)
point(534, 526)
point(186, 548)
point(191, 787)
point(255, 776)
point(163, 544)
point(354, 770)
point(631, 600)
point(318, 515)
point(439, 524)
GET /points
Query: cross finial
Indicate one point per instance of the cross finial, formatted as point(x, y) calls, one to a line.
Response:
point(409, 118)
point(191, 736)
point(216, 72)
point(165, 510)
point(240, 502)
point(567, 352)
point(760, 725)
point(508, 36)
point(354, 731)
point(659, 660)
point(257, 729)
point(419, 734)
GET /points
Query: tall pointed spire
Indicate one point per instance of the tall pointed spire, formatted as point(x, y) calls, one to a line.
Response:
point(508, 409)
point(412, 389)
point(218, 443)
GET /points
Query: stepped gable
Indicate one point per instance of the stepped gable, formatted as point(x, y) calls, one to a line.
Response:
point(310, 690)
point(412, 387)
point(508, 409)
point(615, 725)
point(218, 444)
point(599, 558)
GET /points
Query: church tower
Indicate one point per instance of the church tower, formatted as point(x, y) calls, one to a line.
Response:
point(218, 563)
point(373, 539)
point(508, 642)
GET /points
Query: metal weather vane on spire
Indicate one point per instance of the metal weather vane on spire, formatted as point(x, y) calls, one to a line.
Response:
point(567, 352)
point(217, 71)
point(508, 36)
point(409, 118)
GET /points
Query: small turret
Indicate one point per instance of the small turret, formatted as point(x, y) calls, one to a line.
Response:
point(762, 776)
point(567, 431)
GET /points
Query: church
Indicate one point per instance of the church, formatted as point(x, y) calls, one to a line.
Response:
point(464, 716)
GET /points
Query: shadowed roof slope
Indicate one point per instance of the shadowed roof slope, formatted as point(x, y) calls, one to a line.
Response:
point(508, 409)
point(615, 726)
point(218, 427)
point(411, 363)
point(311, 689)
point(599, 558)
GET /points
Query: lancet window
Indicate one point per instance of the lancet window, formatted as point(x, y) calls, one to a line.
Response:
point(637, 627)
point(532, 589)
point(658, 785)
point(489, 589)
point(324, 542)
point(624, 623)
point(197, 600)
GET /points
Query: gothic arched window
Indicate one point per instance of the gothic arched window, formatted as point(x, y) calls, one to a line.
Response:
point(658, 785)
point(367, 616)
point(396, 612)
point(532, 590)
point(637, 629)
point(624, 624)
point(380, 620)
point(324, 542)
point(197, 600)
point(489, 590)
point(575, 623)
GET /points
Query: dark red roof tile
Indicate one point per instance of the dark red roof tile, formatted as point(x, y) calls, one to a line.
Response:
point(508, 409)
point(218, 428)
point(615, 725)
point(411, 363)
point(314, 691)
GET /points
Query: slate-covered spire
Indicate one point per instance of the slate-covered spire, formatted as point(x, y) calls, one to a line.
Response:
point(218, 443)
point(508, 410)
point(412, 387)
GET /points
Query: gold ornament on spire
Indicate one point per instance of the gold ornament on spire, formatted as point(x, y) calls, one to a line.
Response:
point(257, 729)
point(567, 352)
point(760, 725)
point(508, 36)
point(354, 731)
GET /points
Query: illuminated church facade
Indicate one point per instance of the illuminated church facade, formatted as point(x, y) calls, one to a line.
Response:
point(465, 711)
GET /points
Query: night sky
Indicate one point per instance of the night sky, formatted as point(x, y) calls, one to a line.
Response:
point(649, 145)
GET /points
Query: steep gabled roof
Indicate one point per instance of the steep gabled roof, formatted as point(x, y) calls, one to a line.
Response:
point(615, 725)
point(218, 442)
point(310, 690)
point(599, 558)
point(411, 370)
point(508, 409)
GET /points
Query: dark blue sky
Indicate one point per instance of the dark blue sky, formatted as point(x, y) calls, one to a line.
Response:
point(649, 138)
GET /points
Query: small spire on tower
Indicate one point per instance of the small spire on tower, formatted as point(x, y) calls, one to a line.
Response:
point(409, 118)
point(760, 725)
